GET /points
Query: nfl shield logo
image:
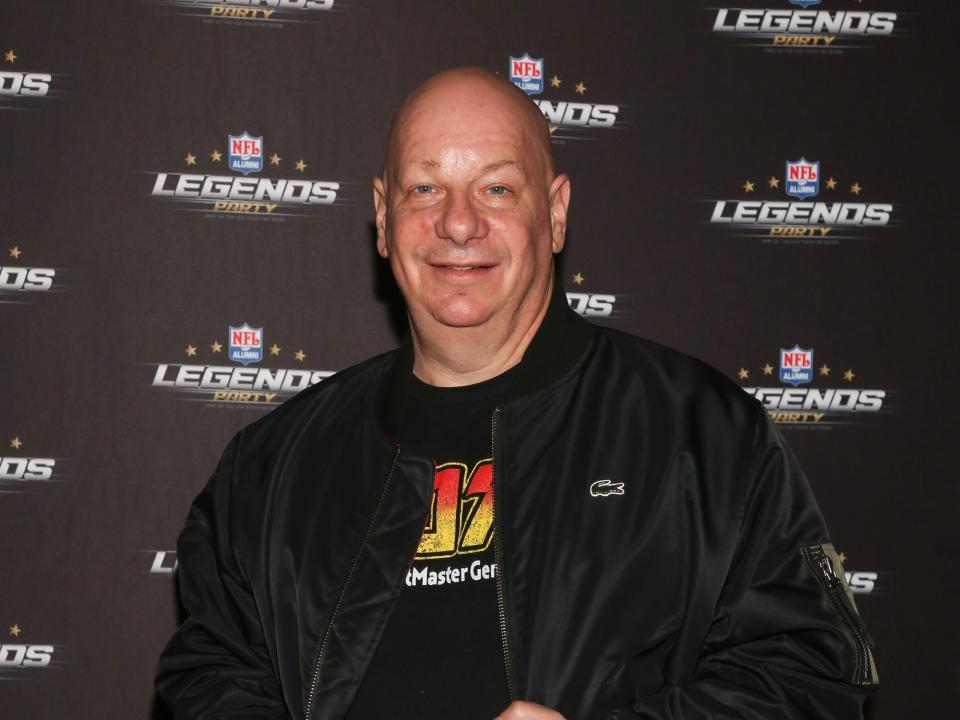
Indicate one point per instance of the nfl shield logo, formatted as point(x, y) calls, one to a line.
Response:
point(246, 153)
point(796, 365)
point(527, 73)
point(246, 344)
point(803, 178)
point(804, 3)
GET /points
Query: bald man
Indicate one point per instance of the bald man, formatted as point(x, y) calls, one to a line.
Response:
point(515, 514)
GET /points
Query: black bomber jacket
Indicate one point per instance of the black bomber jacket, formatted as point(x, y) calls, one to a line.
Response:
point(660, 554)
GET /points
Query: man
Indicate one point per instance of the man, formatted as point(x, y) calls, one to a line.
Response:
point(515, 514)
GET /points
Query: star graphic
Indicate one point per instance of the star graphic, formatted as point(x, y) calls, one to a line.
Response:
point(274, 350)
point(301, 165)
point(274, 159)
point(580, 88)
point(16, 442)
point(10, 56)
point(190, 159)
point(848, 375)
point(555, 81)
point(768, 369)
point(553, 129)
point(215, 346)
point(743, 373)
point(831, 183)
point(15, 630)
point(216, 155)
point(748, 186)
point(773, 182)
point(824, 369)
point(191, 350)
point(855, 188)
point(300, 355)
point(15, 251)
point(841, 557)
point(578, 279)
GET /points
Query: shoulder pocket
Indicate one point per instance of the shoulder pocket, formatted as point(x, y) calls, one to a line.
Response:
point(823, 563)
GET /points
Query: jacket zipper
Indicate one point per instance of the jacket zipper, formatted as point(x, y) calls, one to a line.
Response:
point(498, 555)
point(353, 566)
point(823, 568)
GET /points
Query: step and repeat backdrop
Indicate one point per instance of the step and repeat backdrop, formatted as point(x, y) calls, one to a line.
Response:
point(186, 240)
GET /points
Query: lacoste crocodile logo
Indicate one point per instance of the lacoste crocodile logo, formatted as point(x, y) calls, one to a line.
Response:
point(602, 488)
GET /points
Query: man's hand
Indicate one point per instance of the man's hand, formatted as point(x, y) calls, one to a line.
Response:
point(520, 710)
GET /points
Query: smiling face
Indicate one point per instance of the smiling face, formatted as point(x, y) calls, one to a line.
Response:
point(469, 211)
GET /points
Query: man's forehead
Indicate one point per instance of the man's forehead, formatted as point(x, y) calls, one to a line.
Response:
point(478, 153)
point(468, 112)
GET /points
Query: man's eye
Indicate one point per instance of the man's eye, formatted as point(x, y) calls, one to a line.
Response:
point(423, 188)
point(498, 190)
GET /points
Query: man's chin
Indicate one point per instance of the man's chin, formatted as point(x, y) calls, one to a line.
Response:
point(462, 315)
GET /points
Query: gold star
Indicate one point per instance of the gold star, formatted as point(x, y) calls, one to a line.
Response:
point(10, 57)
point(190, 159)
point(553, 129)
point(824, 369)
point(555, 81)
point(580, 88)
point(748, 186)
point(15, 630)
point(841, 557)
point(768, 369)
point(191, 351)
point(831, 183)
point(15, 251)
point(16, 442)
point(743, 373)
point(274, 159)
point(216, 155)
point(274, 350)
point(215, 346)
point(855, 188)
point(773, 182)
point(300, 355)
point(578, 279)
point(848, 375)
point(301, 165)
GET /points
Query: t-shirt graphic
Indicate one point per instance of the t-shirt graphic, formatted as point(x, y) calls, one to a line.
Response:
point(459, 525)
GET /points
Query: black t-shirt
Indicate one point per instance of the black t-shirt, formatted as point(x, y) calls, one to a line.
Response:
point(441, 655)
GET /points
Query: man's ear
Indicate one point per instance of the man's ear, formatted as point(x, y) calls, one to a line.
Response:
point(559, 200)
point(380, 205)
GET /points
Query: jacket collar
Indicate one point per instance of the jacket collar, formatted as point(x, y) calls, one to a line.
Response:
point(560, 341)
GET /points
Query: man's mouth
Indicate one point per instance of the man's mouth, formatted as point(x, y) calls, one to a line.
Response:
point(458, 267)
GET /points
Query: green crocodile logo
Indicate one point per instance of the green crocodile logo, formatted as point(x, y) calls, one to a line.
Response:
point(602, 488)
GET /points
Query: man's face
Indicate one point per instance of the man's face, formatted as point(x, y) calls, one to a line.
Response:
point(468, 212)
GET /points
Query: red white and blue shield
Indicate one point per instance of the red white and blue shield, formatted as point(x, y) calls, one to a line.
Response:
point(245, 344)
point(245, 153)
point(526, 73)
point(802, 178)
point(796, 365)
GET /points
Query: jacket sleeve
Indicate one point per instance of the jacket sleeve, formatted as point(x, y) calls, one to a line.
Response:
point(216, 664)
point(785, 640)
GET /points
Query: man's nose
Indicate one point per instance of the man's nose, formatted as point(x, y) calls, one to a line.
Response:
point(460, 220)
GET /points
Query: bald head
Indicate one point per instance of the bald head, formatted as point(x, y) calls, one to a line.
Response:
point(470, 212)
point(472, 100)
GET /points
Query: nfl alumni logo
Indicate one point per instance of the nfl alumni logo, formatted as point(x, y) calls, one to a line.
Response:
point(804, 3)
point(803, 178)
point(246, 153)
point(246, 344)
point(796, 365)
point(527, 73)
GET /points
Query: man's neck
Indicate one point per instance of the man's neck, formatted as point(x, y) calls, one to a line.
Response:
point(452, 357)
